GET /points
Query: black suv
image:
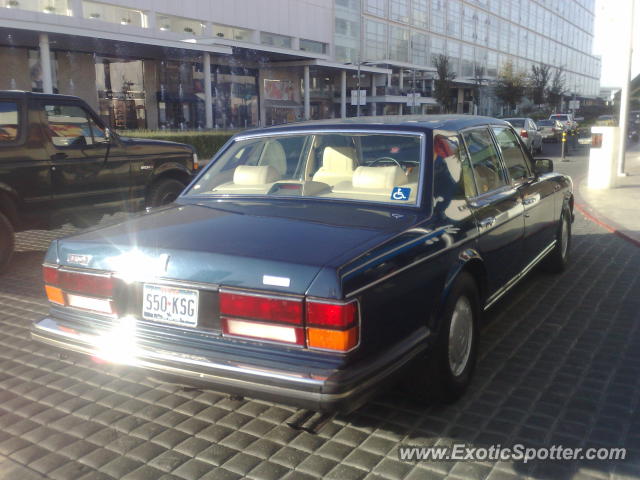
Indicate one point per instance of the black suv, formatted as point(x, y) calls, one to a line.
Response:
point(59, 163)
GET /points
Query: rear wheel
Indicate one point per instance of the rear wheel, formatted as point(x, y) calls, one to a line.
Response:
point(7, 241)
point(558, 259)
point(451, 362)
point(164, 191)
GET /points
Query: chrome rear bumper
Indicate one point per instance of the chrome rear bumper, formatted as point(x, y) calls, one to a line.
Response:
point(342, 390)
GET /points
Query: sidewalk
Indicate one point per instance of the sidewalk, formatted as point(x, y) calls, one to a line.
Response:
point(617, 209)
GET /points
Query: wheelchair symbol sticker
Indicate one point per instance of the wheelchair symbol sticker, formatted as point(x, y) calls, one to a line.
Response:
point(400, 194)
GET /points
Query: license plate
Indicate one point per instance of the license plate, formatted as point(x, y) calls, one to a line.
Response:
point(170, 305)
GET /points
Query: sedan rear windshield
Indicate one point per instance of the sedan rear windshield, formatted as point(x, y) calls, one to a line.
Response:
point(546, 123)
point(369, 167)
point(516, 122)
point(562, 118)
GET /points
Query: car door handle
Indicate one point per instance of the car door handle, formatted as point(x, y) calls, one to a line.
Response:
point(529, 200)
point(59, 156)
point(487, 222)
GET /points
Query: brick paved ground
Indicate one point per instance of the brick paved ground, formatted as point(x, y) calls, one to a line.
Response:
point(559, 363)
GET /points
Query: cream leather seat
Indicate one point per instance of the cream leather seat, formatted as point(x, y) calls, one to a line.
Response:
point(255, 175)
point(338, 164)
point(274, 156)
point(379, 178)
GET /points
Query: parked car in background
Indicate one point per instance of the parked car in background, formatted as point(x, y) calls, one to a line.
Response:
point(550, 130)
point(607, 120)
point(59, 163)
point(312, 263)
point(567, 120)
point(528, 131)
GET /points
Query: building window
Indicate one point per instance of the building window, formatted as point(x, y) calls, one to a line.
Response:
point(437, 48)
point(399, 10)
point(399, 44)
point(420, 13)
point(311, 46)
point(180, 25)
point(453, 18)
point(121, 92)
point(437, 16)
point(55, 7)
point(114, 14)
point(376, 7)
point(453, 51)
point(419, 49)
point(467, 61)
point(375, 40)
point(231, 33)
point(469, 22)
point(274, 40)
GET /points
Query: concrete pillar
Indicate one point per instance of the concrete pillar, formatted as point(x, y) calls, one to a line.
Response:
point(208, 97)
point(401, 79)
point(151, 87)
point(76, 8)
point(45, 64)
point(307, 93)
point(152, 21)
point(343, 94)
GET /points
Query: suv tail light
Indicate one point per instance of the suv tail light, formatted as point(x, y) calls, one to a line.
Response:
point(524, 134)
point(88, 291)
point(315, 324)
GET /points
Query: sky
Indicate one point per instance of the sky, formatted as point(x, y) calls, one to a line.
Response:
point(611, 39)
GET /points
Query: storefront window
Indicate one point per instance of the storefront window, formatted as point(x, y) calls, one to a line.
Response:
point(121, 94)
point(114, 14)
point(35, 71)
point(55, 7)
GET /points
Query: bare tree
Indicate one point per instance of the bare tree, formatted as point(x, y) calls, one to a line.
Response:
point(444, 81)
point(539, 82)
point(557, 89)
point(510, 85)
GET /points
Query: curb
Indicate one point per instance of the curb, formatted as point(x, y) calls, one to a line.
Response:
point(600, 220)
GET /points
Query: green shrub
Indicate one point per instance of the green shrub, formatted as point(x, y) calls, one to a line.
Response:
point(205, 143)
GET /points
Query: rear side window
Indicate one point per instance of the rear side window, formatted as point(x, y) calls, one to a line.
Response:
point(485, 161)
point(68, 125)
point(512, 154)
point(9, 122)
point(562, 118)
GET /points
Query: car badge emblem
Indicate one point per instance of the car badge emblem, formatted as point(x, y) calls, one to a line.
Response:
point(78, 259)
point(163, 263)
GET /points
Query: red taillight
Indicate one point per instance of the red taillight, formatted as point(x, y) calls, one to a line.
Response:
point(79, 282)
point(62, 287)
point(331, 315)
point(327, 325)
point(524, 134)
point(266, 308)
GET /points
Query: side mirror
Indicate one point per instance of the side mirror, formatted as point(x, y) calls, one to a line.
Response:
point(543, 165)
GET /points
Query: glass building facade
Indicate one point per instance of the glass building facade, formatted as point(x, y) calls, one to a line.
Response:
point(485, 33)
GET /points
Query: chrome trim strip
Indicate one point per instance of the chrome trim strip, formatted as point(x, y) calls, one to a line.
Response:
point(406, 267)
point(262, 294)
point(519, 276)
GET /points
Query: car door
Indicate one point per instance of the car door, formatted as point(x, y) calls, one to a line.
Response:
point(537, 194)
point(498, 211)
point(87, 171)
point(25, 168)
point(536, 138)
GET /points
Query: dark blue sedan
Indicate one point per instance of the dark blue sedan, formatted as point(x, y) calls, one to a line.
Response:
point(311, 264)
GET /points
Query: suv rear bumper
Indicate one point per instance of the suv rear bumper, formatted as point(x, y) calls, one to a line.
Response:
point(339, 390)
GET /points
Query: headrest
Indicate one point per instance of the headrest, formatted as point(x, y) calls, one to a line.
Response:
point(379, 177)
point(339, 159)
point(274, 155)
point(255, 175)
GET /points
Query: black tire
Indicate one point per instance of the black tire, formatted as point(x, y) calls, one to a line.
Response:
point(7, 242)
point(164, 191)
point(558, 258)
point(442, 381)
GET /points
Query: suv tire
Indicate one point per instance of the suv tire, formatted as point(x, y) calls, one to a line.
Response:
point(164, 191)
point(7, 242)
